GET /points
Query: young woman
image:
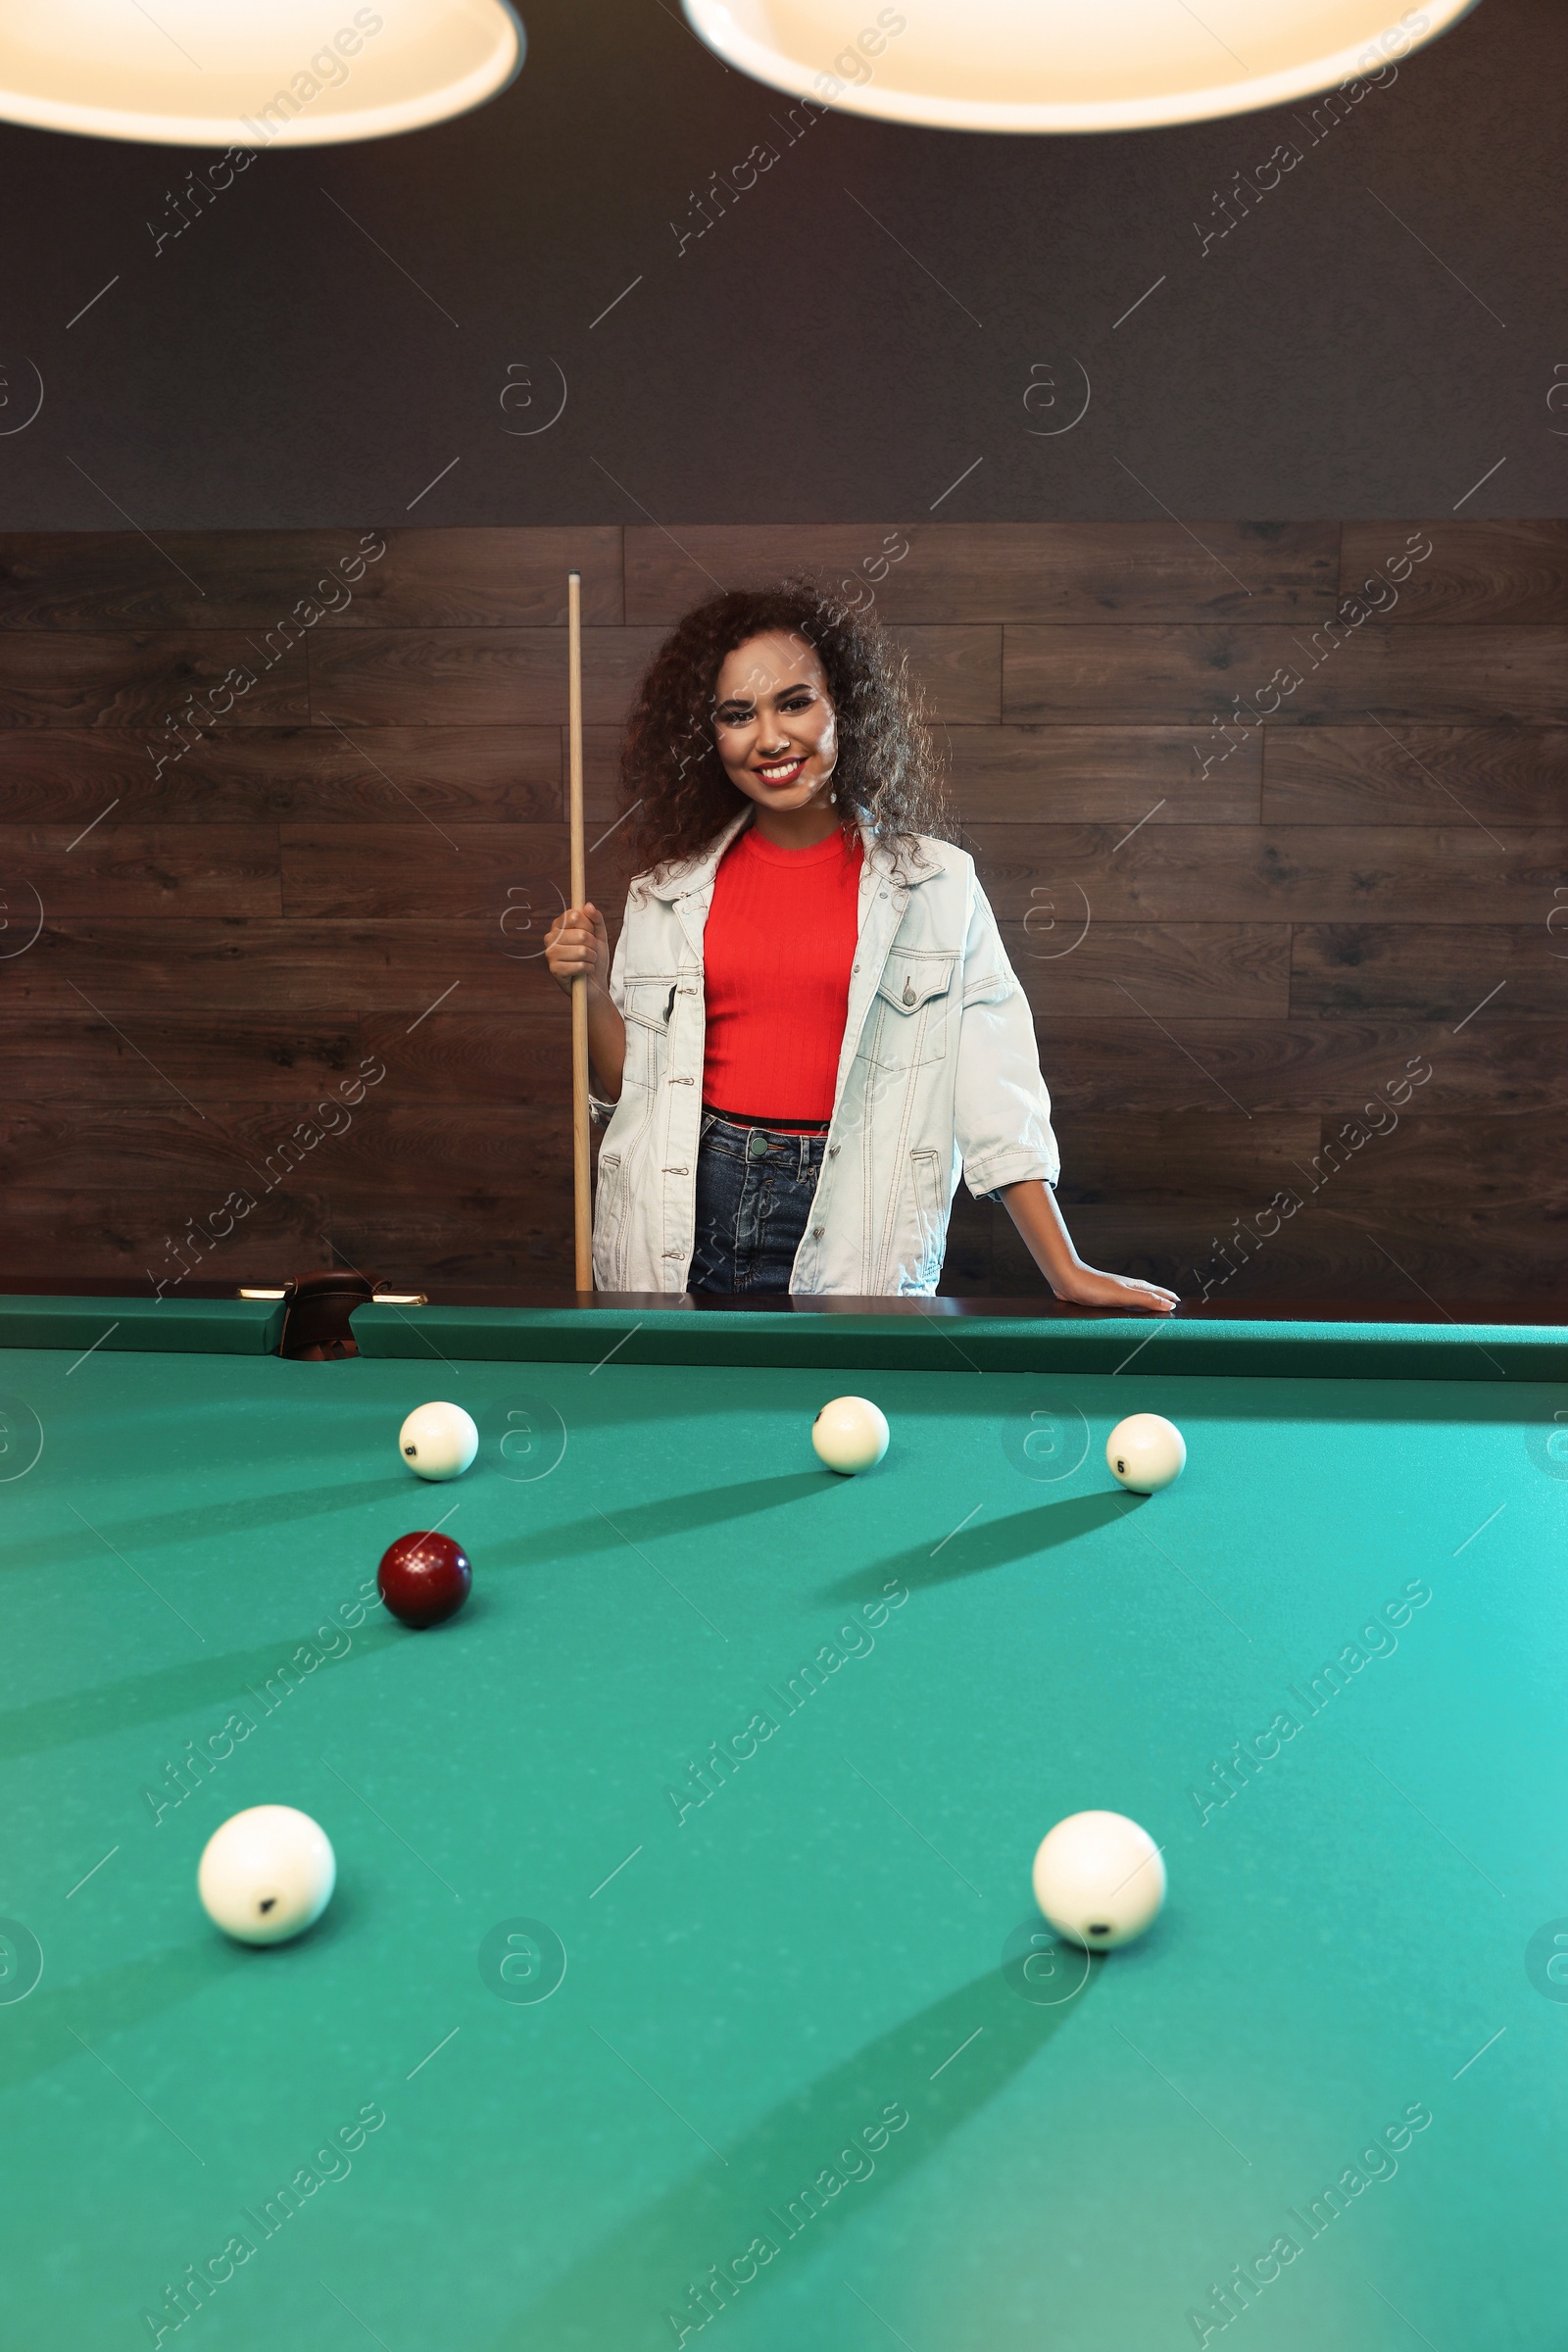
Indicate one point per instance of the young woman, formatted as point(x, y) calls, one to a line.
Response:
point(811, 1025)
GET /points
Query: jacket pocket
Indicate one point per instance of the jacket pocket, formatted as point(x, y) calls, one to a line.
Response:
point(930, 1212)
point(646, 1002)
point(609, 1217)
point(908, 1021)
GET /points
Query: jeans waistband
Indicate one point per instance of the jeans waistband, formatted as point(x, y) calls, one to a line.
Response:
point(775, 1126)
point(780, 1149)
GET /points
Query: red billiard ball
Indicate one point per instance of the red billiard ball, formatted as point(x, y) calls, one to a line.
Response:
point(424, 1579)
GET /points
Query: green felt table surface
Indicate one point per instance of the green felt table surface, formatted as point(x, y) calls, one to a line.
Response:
point(788, 2044)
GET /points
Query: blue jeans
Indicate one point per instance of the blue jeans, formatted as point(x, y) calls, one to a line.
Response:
point(754, 1194)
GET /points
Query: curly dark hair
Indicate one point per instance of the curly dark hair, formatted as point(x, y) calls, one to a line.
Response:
point(887, 776)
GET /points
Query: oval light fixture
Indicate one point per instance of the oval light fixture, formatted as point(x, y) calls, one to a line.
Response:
point(231, 74)
point(1062, 65)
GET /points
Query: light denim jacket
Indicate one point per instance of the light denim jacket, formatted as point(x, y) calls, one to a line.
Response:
point(939, 1072)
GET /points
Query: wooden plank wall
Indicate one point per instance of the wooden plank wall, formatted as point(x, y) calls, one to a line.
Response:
point(1244, 910)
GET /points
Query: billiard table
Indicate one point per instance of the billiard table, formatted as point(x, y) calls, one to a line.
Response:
point(683, 1974)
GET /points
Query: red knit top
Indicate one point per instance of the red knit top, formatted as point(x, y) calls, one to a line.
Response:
point(776, 954)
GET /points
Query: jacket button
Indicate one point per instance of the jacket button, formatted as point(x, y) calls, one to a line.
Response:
point(908, 992)
point(832, 1150)
point(817, 1231)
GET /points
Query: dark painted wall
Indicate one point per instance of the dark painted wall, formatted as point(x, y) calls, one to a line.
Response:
point(854, 336)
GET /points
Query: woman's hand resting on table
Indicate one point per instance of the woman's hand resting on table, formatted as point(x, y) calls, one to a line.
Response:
point(1085, 1285)
point(1032, 1207)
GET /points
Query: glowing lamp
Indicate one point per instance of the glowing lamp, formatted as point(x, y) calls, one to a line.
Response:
point(1063, 64)
point(251, 72)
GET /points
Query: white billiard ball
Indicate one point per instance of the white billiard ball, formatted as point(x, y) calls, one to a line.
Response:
point(267, 1875)
point(1099, 1879)
point(1145, 1453)
point(439, 1441)
point(851, 1433)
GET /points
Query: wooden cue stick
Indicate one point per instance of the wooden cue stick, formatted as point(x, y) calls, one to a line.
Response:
point(582, 1197)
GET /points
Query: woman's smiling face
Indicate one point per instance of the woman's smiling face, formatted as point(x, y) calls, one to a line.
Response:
point(774, 724)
